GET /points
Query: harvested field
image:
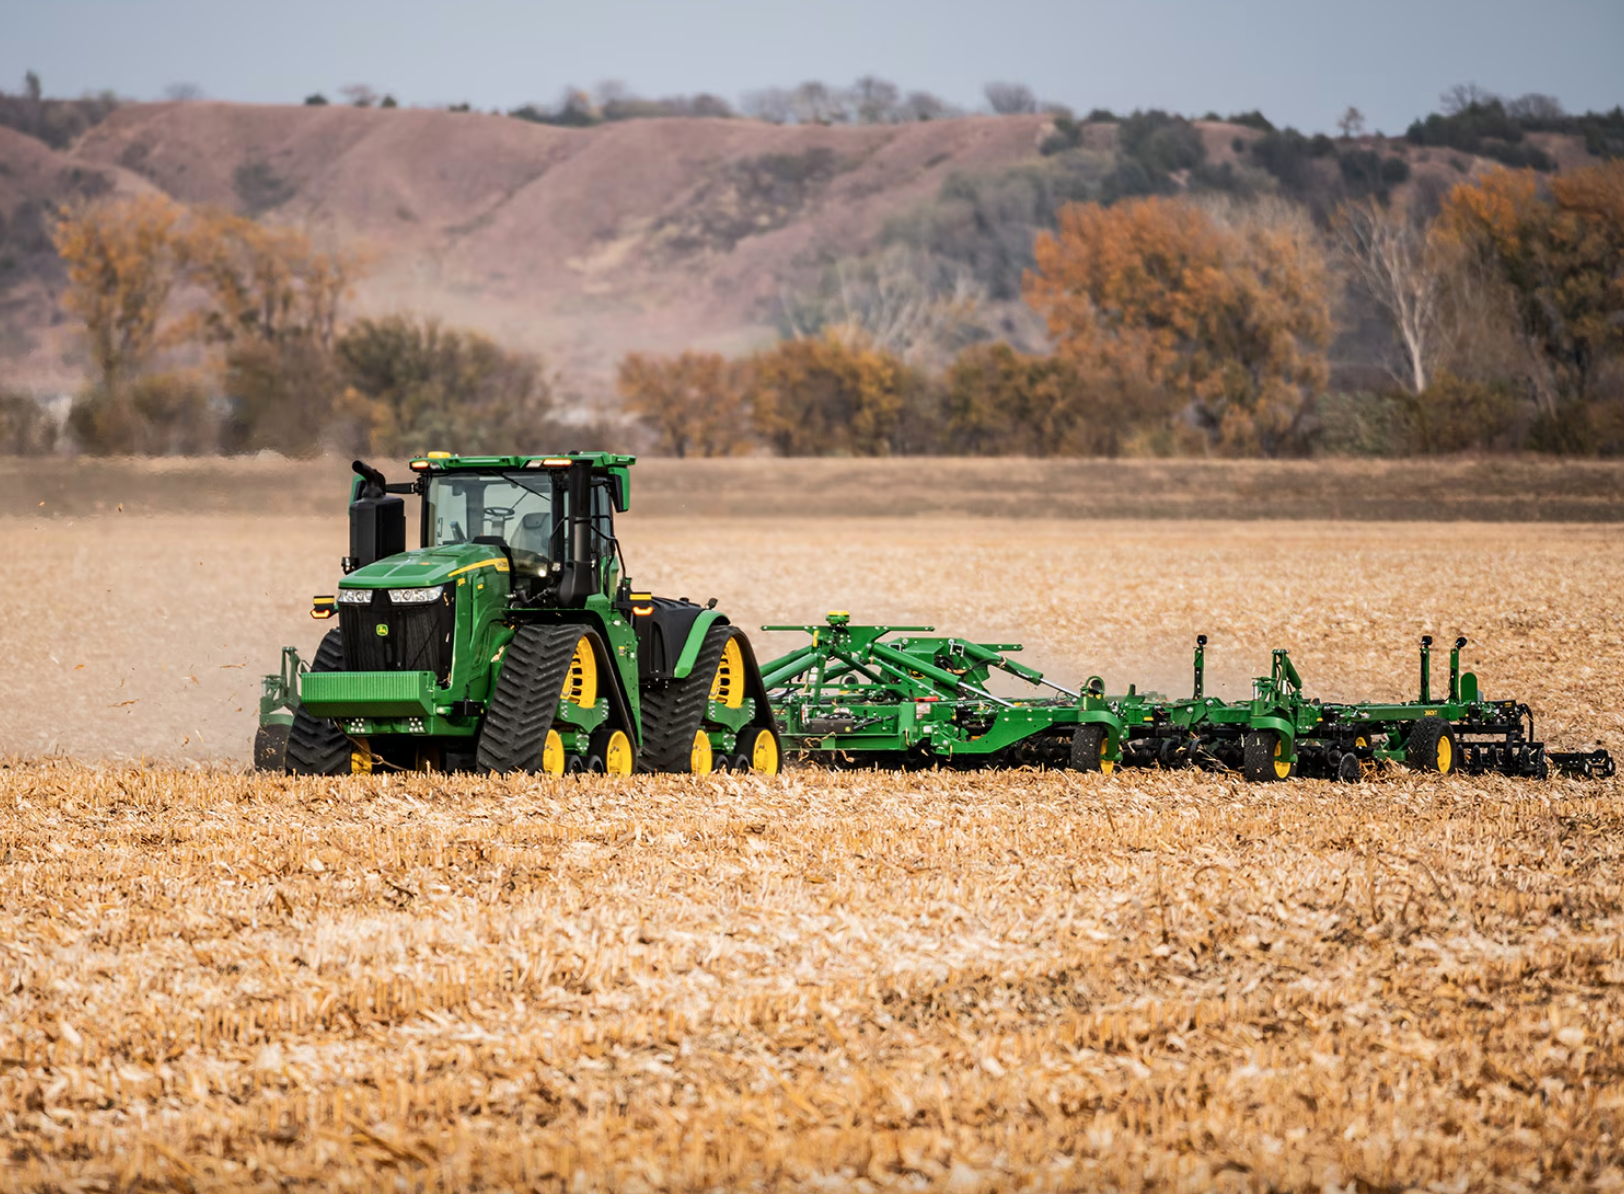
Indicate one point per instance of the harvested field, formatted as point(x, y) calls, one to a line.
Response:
point(956, 982)
point(962, 982)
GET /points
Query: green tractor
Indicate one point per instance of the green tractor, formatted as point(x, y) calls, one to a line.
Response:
point(511, 640)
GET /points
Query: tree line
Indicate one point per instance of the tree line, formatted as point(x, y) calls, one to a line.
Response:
point(208, 332)
point(1180, 325)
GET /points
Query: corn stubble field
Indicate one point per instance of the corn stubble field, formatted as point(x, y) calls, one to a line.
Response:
point(953, 981)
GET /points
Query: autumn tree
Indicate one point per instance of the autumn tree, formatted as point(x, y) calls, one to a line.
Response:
point(693, 402)
point(828, 396)
point(414, 385)
point(1000, 402)
point(1225, 310)
point(123, 262)
point(1557, 249)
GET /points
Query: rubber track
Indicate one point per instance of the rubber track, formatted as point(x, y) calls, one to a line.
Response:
point(316, 746)
point(673, 710)
point(526, 698)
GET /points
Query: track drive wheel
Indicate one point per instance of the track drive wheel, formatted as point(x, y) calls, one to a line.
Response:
point(316, 746)
point(541, 666)
point(1264, 757)
point(1431, 746)
point(1090, 745)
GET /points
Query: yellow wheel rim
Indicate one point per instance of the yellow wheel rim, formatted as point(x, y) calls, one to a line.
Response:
point(617, 755)
point(581, 685)
point(728, 686)
point(1446, 756)
point(764, 753)
point(1282, 769)
point(699, 758)
point(552, 754)
point(1106, 765)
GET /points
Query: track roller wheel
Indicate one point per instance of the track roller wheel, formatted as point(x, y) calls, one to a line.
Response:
point(1431, 746)
point(758, 751)
point(1264, 758)
point(541, 666)
point(701, 760)
point(316, 746)
point(613, 748)
point(1090, 745)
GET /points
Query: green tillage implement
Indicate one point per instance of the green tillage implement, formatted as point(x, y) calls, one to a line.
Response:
point(853, 696)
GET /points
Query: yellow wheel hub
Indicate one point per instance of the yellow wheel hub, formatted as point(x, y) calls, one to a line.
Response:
point(728, 686)
point(552, 754)
point(581, 684)
point(699, 758)
point(764, 753)
point(1282, 769)
point(617, 754)
point(1446, 756)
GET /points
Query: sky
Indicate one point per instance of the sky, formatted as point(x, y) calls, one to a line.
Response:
point(1301, 63)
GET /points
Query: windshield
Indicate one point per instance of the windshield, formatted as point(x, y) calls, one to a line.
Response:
point(516, 508)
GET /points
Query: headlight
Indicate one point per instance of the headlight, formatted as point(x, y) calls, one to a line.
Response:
point(415, 596)
point(355, 596)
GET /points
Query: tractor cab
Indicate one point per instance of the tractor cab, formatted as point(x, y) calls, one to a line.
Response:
point(551, 519)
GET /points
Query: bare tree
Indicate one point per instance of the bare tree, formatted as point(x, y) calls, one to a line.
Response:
point(1011, 99)
point(922, 105)
point(1463, 96)
point(771, 104)
point(179, 93)
point(1391, 257)
point(814, 103)
point(359, 94)
point(1352, 123)
point(902, 300)
point(1537, 108)
point(875, 100)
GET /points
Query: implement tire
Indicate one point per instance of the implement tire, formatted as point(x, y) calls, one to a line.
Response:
point(271, 747)
point(1089, 744)
point(316, 746)
point(1261, 761)
point(535, 668)
point(1431, 746)
point(674, 710)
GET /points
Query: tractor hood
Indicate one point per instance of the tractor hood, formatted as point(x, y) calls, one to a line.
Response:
point(427, 566)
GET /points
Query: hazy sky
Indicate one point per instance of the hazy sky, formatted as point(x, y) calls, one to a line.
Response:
point(1302, 63)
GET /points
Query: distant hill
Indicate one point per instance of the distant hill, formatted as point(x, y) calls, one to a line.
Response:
point(653, 234)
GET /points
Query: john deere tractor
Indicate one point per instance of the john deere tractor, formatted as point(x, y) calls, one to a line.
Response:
point(511, 640)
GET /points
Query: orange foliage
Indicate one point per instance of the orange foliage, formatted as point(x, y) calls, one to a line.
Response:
point(831, 395)
point(1559, 256)
point(1228, 315)
point(122, 265)
point(1000, 402)
point(264, 283)
point(694, 402)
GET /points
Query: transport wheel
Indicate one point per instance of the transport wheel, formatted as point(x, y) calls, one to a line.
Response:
point(541, 665)
point(614, 748)
point(1431, 746)
point(1263, 760)
point(271, 747)
point(1348, 770)
point(1089, 746)
point(758, 747)
point(316, 746)
point(674, 710)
